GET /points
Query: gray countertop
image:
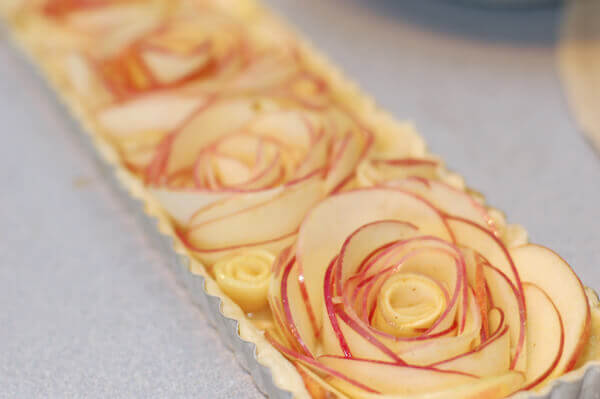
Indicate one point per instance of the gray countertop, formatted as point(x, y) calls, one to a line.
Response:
point(88, 307)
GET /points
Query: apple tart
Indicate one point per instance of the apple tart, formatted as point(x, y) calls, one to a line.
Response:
point(345, 246)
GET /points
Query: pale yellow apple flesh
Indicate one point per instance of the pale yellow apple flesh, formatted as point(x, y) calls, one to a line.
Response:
point(491, 359)
point(545, 337)
point(486, 388)
point(551, 274)
point(285, 211)
point(153, 112)
point(393, 378)
point(448, 199)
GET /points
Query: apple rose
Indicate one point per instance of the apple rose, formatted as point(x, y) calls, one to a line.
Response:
point(175, 54)
point(194, 45)
point(242, 172)
point(408, 291)
point(158, 46)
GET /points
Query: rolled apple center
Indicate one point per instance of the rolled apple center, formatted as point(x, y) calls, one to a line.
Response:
point(240, 159)
point(230, 171)
point(245, 278)
point(407, 304)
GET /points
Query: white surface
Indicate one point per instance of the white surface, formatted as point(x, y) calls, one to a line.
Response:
point(88, 307)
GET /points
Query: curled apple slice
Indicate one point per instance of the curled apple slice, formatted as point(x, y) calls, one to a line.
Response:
point(496, 387)
point(546, 270)
point(157, 112)
point(488, 359)
point(286, 210)
point(376, 171)
point(447, 198)
point(396, 379)
point(545, 336)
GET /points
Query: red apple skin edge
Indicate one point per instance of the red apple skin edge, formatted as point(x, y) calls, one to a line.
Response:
point(585, 336)
point(552, 366)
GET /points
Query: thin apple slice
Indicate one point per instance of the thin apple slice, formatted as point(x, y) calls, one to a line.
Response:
point(291, 128)
point(315, 365)
point(472, 235)
point(368, 237)
point(490, 359)
point(316, 158)
point(495, 320)
point(443, 348)
point(489, 388)
point(209, 256)
point(545, 337)
point(263, 73)
point(376, 171)
point(169, 67)
point(392, 378)
point(278, 216)
point(110, 17)
point(548, 271)
point(207, 126)
point(352, 148)
point(507, 298)
point(359, 341)
point(592, 348)
point(229, 206)
point(83, 79)
point(154, 112)
point(447, 198)
point(182, 204)
point(119, 25)
point(295, 311)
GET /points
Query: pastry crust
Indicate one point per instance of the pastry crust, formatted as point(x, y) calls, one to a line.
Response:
point(29, 32)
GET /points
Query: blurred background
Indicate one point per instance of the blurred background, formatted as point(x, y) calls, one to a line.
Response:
point(101, 317)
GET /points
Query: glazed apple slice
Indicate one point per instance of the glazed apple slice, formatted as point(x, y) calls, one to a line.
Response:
point(396, 379)
point(285, 211)
point(170, 68)
point(489, 388)
point(545, 336)
point(495, 320)
point(154, 112)
point(506, 297)
point(472, 235)
point(490, 359)
point(182, 204)
point(213, 123)
point(375, 171)
point(592, 348)
point(550, 273)
point(444, 348)
point(449, 199)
